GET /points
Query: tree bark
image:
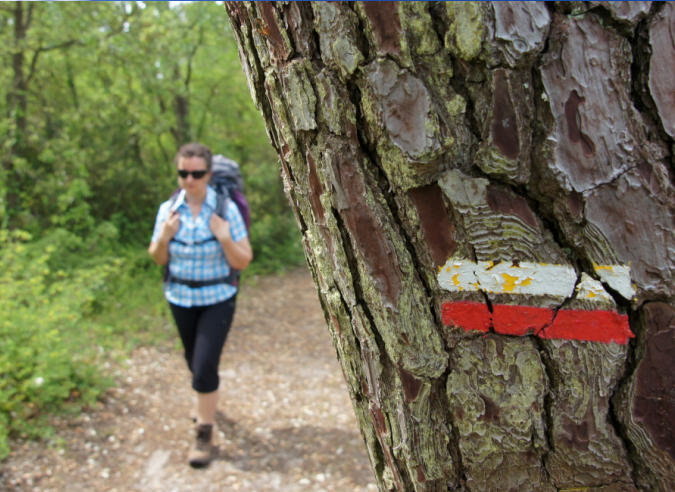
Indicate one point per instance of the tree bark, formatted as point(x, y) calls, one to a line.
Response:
point(485, 193)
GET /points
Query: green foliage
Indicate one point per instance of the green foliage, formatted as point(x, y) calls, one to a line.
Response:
point(95, 98)
point(45, 356)
point(66, 302)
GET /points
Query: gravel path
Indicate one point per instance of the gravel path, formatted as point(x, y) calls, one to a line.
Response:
point(285, 421)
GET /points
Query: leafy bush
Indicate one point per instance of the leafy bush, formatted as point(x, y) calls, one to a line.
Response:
point(46, 358)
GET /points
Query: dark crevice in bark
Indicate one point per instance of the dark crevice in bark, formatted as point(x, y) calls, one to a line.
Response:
point(460, 85)
point(356, 282)
point(317, 43)
point(438, 20)
point(633, 453)
point(294, 206)
point(548, 398)
point(360, 399)
point(453, 444)
point(360, 300)
point(488, 302)
point(264, 104)
point(551, 10)
point(369, 52)
point(640, 94)
point(621, 432)
point(281, 15)
point(608, 21)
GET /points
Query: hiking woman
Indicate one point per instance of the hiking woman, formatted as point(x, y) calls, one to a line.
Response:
point(200, 249)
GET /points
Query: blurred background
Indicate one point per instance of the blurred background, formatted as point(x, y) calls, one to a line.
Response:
point(95, 99)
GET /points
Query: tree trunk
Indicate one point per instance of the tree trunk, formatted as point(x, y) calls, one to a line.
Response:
point(18, 97)
point(485, 193)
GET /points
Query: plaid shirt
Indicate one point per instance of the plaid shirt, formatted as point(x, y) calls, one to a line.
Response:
point(195, 254)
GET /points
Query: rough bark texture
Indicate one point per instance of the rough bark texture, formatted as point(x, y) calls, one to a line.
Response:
point(483, 190)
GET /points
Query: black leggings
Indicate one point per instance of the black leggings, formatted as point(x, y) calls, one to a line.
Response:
point(203, 330)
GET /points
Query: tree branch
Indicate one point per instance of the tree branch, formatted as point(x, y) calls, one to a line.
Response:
point(202, 120)
point(41, 49)
point(191, 56)
point(30, 16)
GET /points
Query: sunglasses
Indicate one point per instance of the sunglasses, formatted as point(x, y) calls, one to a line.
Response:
point(195, 174)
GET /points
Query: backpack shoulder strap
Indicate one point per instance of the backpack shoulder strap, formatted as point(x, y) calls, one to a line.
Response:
point(221, 204)
point(172, 200)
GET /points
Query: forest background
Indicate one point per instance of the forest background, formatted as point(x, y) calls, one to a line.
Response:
point(95, 99)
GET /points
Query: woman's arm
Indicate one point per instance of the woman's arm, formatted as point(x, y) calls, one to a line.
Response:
point(159, 250)
point(239, 254)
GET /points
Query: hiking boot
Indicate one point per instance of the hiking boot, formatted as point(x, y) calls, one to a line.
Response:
point(200, 454)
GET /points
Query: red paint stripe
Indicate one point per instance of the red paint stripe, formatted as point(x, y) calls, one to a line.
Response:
point(591, 326)
point(519, 320)
point(467, 315)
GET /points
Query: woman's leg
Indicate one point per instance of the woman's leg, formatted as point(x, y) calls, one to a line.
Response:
point(206, 407)
point(187, 320)
point(213, 327)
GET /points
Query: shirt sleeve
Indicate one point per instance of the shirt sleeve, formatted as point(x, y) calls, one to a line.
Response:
point(237, 227)
point(161, 217)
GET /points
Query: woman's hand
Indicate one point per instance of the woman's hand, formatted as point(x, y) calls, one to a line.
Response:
point(220, 228)
point(170, 227)
point(238, 254)
point(160, 250)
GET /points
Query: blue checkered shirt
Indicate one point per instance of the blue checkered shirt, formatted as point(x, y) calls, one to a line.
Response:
point(200, 257)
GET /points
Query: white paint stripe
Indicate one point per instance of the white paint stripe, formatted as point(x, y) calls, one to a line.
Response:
point(506, 278)
point(590, 289)
point(617, 277)
point(533, 279)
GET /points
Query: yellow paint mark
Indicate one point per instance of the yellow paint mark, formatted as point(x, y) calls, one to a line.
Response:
point(527, 281)
point(603, 267)
point(440, 269)
point(455, 279)
point(509, 282)
point(591, 294)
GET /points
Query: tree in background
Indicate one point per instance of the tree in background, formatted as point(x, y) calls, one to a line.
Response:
point(95, 98)
point(485, 193)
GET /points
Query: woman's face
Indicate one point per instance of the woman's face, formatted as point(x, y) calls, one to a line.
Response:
point(190, 184)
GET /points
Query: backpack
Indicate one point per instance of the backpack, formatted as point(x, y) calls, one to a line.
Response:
point(228, 184)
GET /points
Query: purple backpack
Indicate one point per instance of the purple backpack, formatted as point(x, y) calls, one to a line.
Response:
point(229, 185)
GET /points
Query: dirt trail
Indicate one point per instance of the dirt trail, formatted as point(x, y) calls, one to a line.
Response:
point(285, 424)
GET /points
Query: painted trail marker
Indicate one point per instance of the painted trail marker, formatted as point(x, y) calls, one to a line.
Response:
point(538, 279)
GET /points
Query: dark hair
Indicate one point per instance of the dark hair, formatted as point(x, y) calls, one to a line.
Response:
point(194, 149)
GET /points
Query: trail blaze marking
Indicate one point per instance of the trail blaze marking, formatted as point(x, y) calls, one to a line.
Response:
point(617, 277)
point(507, 278)
point(537, 279)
